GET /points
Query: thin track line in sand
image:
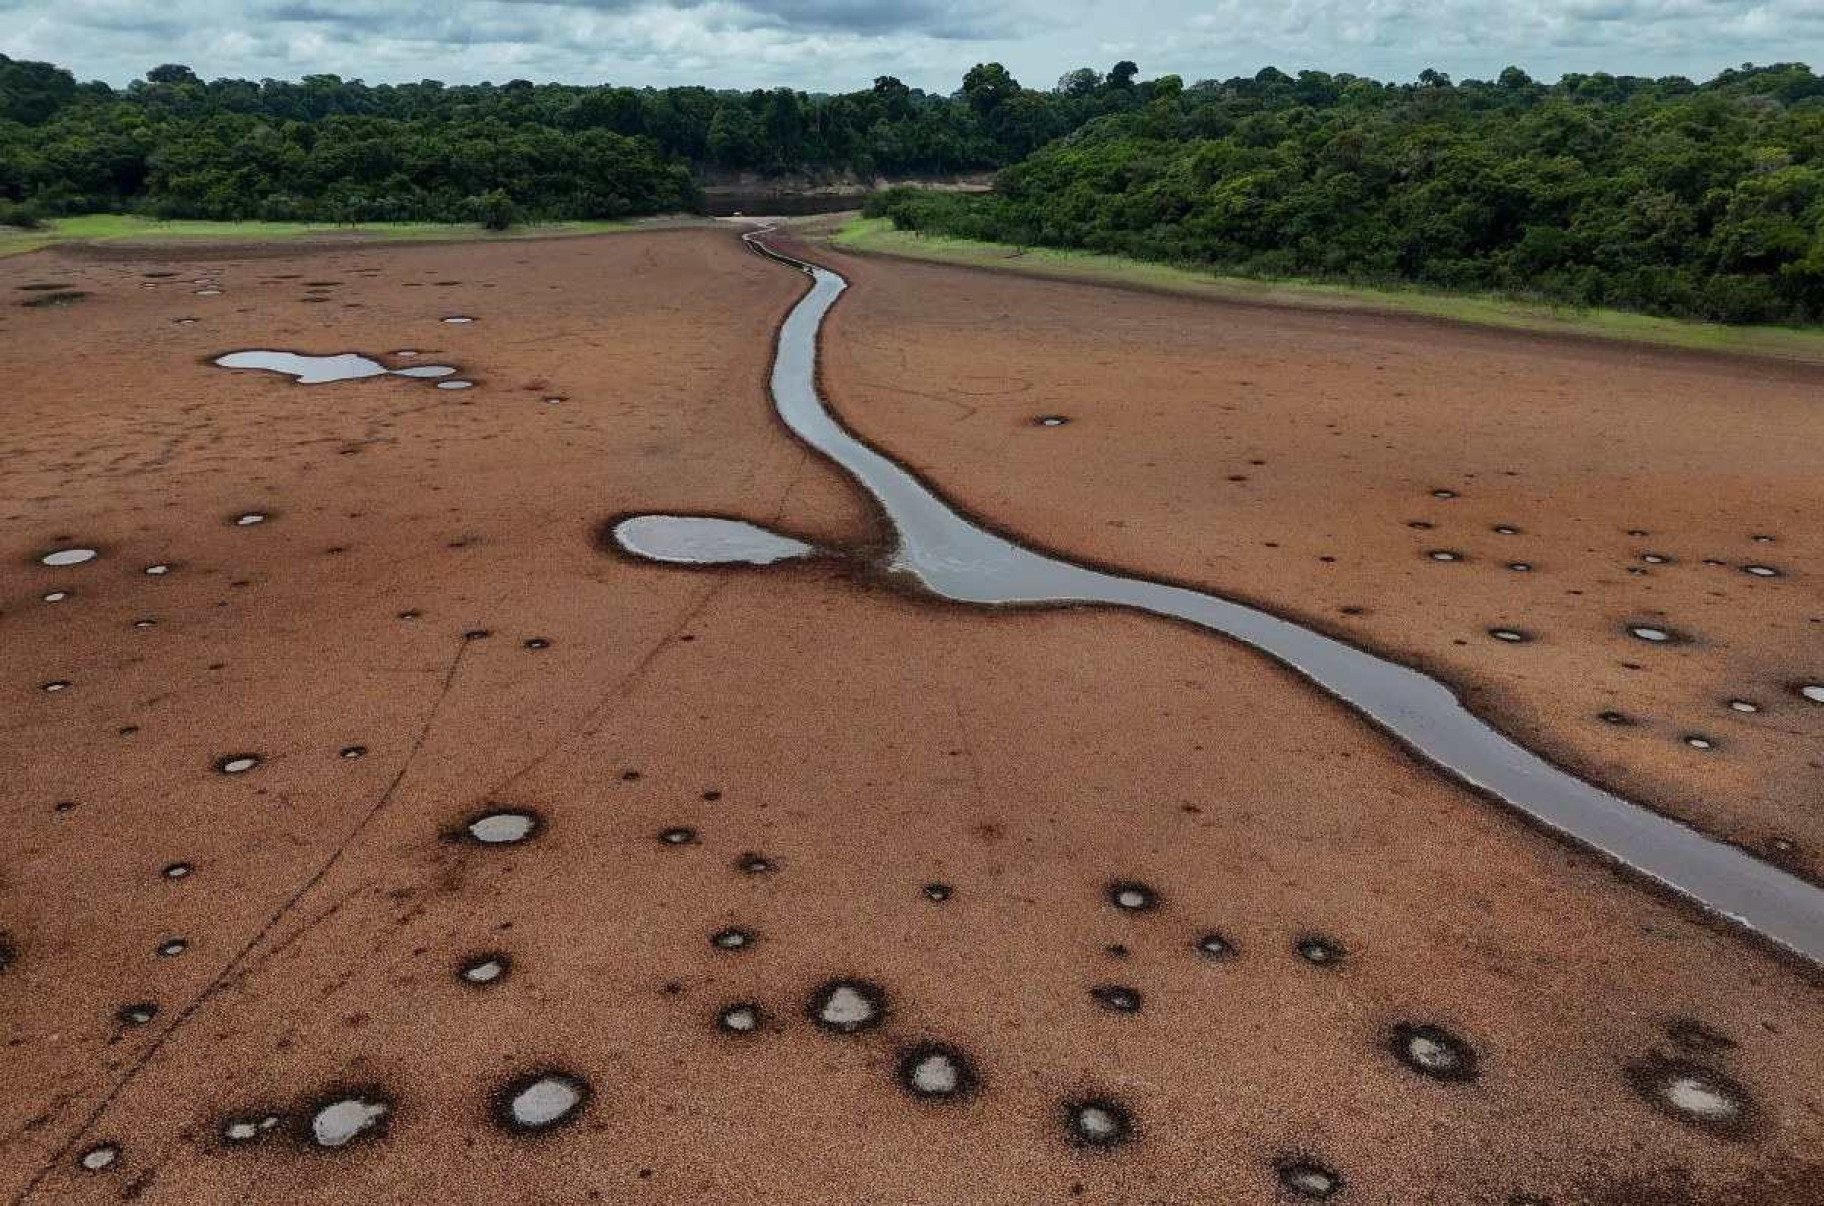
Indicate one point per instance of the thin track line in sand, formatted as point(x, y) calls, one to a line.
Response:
point(234, 965)
point(592, 720)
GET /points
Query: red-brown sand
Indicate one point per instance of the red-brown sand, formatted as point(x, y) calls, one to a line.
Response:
point(865, 742)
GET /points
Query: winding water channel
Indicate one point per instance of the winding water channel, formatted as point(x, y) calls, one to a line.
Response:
point(955, 559)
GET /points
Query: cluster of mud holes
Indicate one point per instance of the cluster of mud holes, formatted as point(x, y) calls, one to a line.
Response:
point(928, 1070)
point(1649, 632)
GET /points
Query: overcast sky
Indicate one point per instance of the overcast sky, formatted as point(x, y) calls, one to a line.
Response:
point(840, 45)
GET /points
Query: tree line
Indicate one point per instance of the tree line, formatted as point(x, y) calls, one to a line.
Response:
point(1659, 195)
point(328, 149)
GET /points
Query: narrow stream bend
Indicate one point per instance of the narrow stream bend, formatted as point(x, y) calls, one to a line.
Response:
point(957, 560)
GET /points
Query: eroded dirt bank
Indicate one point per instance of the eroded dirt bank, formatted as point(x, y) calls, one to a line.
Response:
point(422, 631)
point(1496, 508)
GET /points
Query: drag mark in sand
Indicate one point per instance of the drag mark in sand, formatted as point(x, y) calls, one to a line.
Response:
point(953, 557)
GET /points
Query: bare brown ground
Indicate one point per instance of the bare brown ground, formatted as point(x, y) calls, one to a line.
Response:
point(1289, 458)
point(866, 742)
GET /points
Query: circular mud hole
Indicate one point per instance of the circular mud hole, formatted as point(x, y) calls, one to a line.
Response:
point(1117, 998)
point(1214, 946)
point(139, 1013)
point(1051, 420)
point(541, 1101)
point(741, 1018)
point(937, 893)
point(502, 828)
point(1698, 741)
point(1691, 1093)
point(340, 1121)
point(1435, 1052)
point(755, 864)
point(732, 939)
point(65, 557)
point(1305, 1179)
point(848, 1006)
point(1098, 1122)
point(1444, 555)
point(1132, 896)
point(245, 1129)
point(1520, 567)
point(677, 835)
point(236, 764)
point(484, 970)
point(936, 1072)
point(1319, 951)
point(1653, 634)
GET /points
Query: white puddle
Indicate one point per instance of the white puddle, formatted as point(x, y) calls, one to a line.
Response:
point(246, 1130)
point(935, 1071)
point(847, 1006)
point(544, 1102)
point(705, 540)
point(1098, 1123)
point(739, 1019)
point(1701, 1098)
point(502, 828)
point(99, 1158)
point(1309, 1181)
point(484, 971)
point(319, 370)
point(1132, 897)
point(63, 557)
point(342, 1122)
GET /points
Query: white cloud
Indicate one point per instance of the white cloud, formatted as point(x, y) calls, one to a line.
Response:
point(827, 45)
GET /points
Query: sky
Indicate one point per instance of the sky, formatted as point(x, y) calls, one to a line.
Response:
point(841, 45)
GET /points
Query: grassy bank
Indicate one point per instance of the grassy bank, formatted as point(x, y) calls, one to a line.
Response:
point(878, 235)
point(127, 229)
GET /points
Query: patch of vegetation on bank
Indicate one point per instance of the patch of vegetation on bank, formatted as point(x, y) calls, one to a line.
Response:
point(879, 236)
point(128, 229)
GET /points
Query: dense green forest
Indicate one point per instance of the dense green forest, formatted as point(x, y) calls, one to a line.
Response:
point(323, 148)
point(1660, 195)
